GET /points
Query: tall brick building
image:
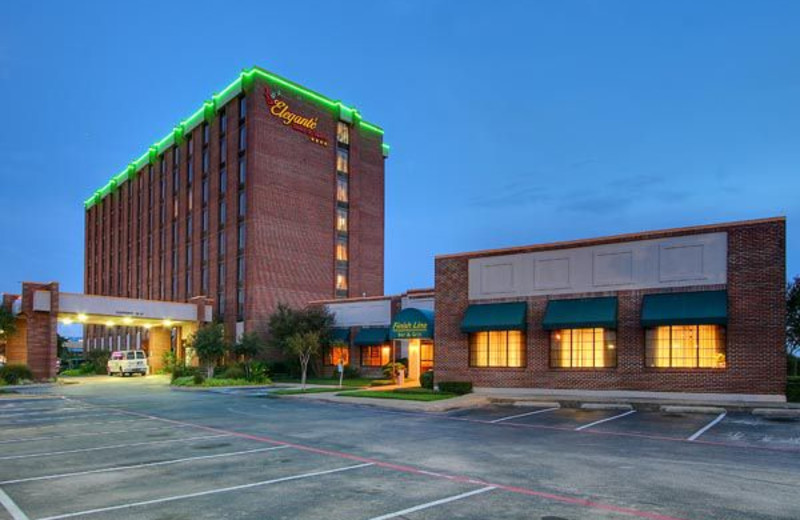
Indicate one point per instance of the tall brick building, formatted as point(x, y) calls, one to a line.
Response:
point(269, 193)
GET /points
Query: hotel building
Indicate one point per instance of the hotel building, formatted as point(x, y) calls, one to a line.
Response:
point(269, 193)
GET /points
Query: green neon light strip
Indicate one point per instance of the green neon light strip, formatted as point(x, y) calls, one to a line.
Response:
point(209, 109)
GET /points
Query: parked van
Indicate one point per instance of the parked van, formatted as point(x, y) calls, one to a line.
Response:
point(124, 362)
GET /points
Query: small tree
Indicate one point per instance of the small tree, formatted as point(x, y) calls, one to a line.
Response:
point(304, 345)
point(209, 344)
point(793, 323)
point(285, 322)
point(249, 346)
point(8, 324)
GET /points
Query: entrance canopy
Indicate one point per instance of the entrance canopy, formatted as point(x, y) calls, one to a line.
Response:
point(125, 312)
point(412, 323)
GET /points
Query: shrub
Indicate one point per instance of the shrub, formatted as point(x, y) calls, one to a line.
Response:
point(382, 382)
point(456, 387)
point(16, 373)
point(232, 372)
point(279, 368)
point(426, 380)
point(390, 370)
point(793, 390)
point(182, 371)
point(72, 372)
point(351, 372)
point(259, 373)
point(96, 362)
point(198, 378)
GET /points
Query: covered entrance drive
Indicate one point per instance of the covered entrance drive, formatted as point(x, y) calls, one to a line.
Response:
point(110, 323)
point(413, 328)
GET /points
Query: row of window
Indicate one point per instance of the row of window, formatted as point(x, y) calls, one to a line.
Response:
point(342, 209)
point(676, 346)
point(375, 355)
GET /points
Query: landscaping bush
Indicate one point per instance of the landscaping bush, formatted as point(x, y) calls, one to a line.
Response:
point(390, 370)
point(182, 371)
point(96, 362)
point(198, 378)
point(72, 372)
point(382, 382)
point(351, 372)
point(793, 389)
point(232, 372)
point(426, 380)
point(259, 372)
point(456, 387)
point(15, 374)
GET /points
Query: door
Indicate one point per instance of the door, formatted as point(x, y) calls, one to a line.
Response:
point(413, 359)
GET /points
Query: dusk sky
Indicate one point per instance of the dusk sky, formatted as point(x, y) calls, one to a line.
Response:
point(511, 123)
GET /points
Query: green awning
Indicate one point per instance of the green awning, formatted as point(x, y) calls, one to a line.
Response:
point(412, 323)
point(495, 316)
point(582, 313)
point(692, 308)
point(339, 335)
point(372, 336)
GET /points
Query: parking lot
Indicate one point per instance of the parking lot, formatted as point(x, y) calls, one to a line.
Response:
point(131, 448)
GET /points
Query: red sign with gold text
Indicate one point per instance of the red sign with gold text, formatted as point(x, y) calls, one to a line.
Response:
point(305, 125)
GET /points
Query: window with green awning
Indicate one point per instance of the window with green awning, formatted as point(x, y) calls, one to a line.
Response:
point(495, 316)
point(689, 308)
point(340, 335)
point(581, 313)
point(372, 336)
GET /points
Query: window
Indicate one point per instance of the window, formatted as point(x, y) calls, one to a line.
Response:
point(425, 356)
point(241, 236)
point(223, 150)
point(341, 189)
point(242, 171)
point(240, 270)
point(223, 213)
point(204, 280)
point(223, 181)
point(583, 348)
point(221, 244)
point(220, 304)
point(341, 220)
point(205, 133)
point(335, 354)
point(375, 355)
point(341, 280)
point(205, 160)
point(242, 204)
point(242, 138)
point(204, 250)
point(685, 346)
point(240, 303)
point(204, 218)
point(205, 190)
point(223, 122)
point(343, 133)
point(341, 161)
point(242, 108)
point(221, 276)
point(341, 249)
point(497, 348)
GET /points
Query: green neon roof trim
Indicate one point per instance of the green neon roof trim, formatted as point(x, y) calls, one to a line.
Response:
point(207, 111)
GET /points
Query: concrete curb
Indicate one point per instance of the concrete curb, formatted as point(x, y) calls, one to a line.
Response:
point(693, 409)
point(777, 413)
point(220, 388)
point(607, 406)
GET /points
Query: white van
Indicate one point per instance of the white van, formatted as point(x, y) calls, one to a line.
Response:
point(124, 362)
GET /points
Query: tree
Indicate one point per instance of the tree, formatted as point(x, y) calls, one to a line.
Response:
point(304, 345)
point(209, 344)
point(249, 346)
point(793, 322)
point(61, 347)
point(285, 322)
point(8, 324)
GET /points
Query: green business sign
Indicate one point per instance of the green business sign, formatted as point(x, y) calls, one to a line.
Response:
point(412, 323)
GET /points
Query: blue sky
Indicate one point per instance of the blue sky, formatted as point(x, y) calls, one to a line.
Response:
point(510, 122)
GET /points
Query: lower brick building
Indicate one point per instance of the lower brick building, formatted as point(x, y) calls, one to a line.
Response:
point(690, 310)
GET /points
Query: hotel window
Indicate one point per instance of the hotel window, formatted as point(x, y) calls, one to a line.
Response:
point(223, 180)
point(342, 133)
point(375, 355)
point(497, 348)
point(335, 354)
point(223, 213)
point(205, 133)
point(242, 204)
point(341, 249)
point(341, 160)
point(204, 250)
point(685, 346)
point(242, 108)
point(583, 348)
point(341, 220)
point(240, 270)
point(223, 150)
point(242, 171)
point(221, 276)
point(341, 189)
point(240, 303)
point(221, 244)
point(205, 190)
point(241, 236)
point(205, 160)
point(220, 304)
point(204, 220)
point(204, 280)
point(188, 228)
point(242, 138)
point(341, 279)
point(223, 122)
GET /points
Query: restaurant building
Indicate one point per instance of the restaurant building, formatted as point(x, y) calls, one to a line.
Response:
point(673, 312)
point(268, 193)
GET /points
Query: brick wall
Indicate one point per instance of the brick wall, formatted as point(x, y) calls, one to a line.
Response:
point(755, 331)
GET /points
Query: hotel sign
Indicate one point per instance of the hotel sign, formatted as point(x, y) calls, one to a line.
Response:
point(305, 125)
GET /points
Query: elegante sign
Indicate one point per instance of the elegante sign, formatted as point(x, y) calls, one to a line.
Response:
point(305, 125)
point(410, 329)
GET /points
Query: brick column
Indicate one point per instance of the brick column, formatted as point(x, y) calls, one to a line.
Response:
point(158, 345)
point(39, 330)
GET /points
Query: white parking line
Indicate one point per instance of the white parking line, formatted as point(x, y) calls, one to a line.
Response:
point(12, 507)
point(209, 492)
point(41, 419)
point(87, 434)
point(82, 450)
point(36, 425)
point(41, 412)
point(601, 421)
point(523, 415)
point(144, 465)
point(433, 504)
point(707, 427)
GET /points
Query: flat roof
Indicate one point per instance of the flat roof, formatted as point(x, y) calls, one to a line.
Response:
point(641, 235)
point(209, 108)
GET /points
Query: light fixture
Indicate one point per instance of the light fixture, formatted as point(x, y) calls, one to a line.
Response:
point(66, 321)
point(127, 321)
point(167, 323)
point(611, 346)
point(109, 323)
point(147, 325)
point(82, 317)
